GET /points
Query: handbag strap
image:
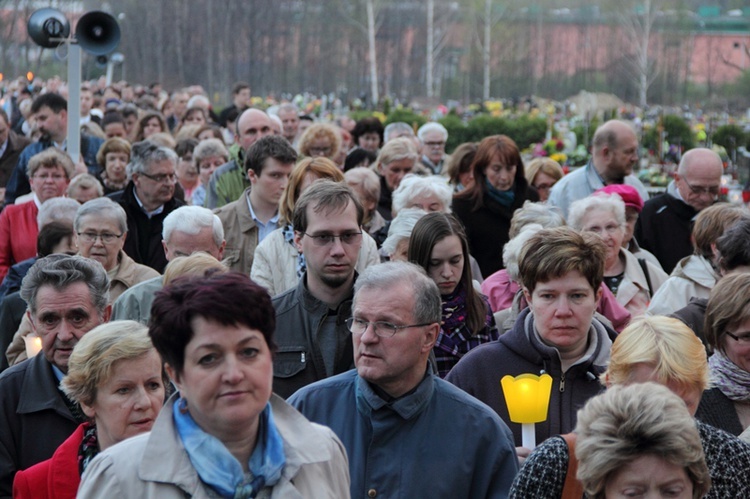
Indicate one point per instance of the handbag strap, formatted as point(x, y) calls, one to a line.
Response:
point(646, 273)
point(573, 489)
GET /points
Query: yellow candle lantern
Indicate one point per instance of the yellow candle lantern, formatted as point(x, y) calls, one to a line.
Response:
point(527, 397)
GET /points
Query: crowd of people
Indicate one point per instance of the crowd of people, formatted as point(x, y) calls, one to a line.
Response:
point(261, 304)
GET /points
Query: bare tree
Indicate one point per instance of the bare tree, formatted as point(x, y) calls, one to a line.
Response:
point(637, 21)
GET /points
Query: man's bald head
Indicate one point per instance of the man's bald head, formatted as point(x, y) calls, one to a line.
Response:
point(252, 125)
point(698, 177)
point(615, 151)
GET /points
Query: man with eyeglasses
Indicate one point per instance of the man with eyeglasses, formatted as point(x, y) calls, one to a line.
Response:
point(407, 432)
point(147, 199)
point(433, 137)
point(313, 340)
point(666, 221)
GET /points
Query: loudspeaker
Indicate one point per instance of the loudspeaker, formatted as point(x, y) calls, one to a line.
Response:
point(98, 32)
point(45, 24)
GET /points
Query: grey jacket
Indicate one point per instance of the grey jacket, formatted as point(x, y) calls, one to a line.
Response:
point(135, 303)
point(156, 464)
point(313, 341)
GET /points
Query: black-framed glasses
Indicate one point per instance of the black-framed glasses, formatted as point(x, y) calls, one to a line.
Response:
point(382, 329)
point(161, 177)
point(712, 190)
point(326, 239)
point(743, 338)
point(106, 237)
point(322, 151)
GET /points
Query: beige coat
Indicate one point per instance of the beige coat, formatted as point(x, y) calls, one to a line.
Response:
point(129, 274)
point(633, 291)
point(156, 464)
point(275, 264)
point(240, 232)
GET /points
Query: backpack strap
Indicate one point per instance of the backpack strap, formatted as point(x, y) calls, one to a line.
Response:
point(573, 489)
point(644, 267)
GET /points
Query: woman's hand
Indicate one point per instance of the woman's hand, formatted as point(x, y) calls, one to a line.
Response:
point(522, 453)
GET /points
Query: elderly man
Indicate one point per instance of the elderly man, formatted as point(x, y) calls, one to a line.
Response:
point(433, 137)
point(148, 199)
point(186, 230)
point(614, 154)
point(314, 342)
point(666, 221)
point(289, 115)
point(51, 114)
point(67, 296)
point(230, 180)
point(407, 432)
point(253, 216)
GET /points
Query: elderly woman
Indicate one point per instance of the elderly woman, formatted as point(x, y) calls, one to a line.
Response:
point(727, 327)
point(149, 124)
point(561, 271)
point(49, 174)
point(278, 264)
point(431, 193)
point(632, 281)
point(542, 174)
point(396, 245)
point(321, 139)
point(208, 155)
point(486, 208)
point(365, 183)
point(224, 434)
point(695, 275)
point(666, 351)
point(397, 158)
point(640, 440)
point(438, 244)
point(116, 376)
point(114, 156)
point(458, 167)
point(84, 187)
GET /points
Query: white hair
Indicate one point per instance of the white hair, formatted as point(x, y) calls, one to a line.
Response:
point(601, 201)
point(59, 208)
point(431, 127)
point(512, 250)
point(412, 186)
point(190, 220)
point(401, 228)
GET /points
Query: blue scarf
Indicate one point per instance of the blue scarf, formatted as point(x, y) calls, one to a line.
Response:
point(505, 198)
point(218, 469)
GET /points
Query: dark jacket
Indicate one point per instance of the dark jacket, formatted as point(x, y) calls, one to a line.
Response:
point(143, 243)
point(479, 373)
point(385, 202)
point(301, 326)
point(9, 159)
point(18, 183)
point(718, 410)
point(487, 227)
point(12, 309)
point(693, 315)
point(664, 228)
point(34, 420)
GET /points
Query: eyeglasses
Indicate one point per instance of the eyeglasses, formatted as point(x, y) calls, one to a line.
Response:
point(326, 239)
point(47, 176)
point(161, 178)
point(742, 338)
point(434, 144)
point(106, 237)
point(320, 150)
point(382, 329)
point(713, 190)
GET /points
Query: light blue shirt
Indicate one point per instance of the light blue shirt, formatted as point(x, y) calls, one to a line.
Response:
point(263, 228)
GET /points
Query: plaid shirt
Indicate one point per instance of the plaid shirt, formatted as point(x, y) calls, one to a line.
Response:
point(451, 346)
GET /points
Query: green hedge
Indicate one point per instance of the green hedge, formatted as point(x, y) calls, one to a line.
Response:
point(730, 137)
point(678, 132)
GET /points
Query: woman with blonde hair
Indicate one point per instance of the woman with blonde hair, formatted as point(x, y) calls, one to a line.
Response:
point(397, 159)
point(542, 174)
point(666, 351)
point(320, 140)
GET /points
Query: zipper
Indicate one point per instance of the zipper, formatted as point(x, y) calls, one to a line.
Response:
point(562, 383)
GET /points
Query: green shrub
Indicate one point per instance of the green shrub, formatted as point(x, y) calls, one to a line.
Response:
point(678, 132)
point(730, 137)
point(457, 131)
point(407, 116)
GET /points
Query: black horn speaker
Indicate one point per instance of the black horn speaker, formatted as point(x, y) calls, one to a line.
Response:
point(47, 24)
point(98, 32)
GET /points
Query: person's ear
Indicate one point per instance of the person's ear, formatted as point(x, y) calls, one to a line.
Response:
point(252, 177)
point(430, 337)
point(298, 240)
point(173, 376)
point(88, 410)
point(107, 313)
point(527, 295)
point(598, 296)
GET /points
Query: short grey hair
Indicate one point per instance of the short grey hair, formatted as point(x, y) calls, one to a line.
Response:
point(190, 220)
point(146, 152)
point(200, 101)
point(85, 181)
point(513, 248)
point(413, 185)
point(102, 208)
point(396, 150)
point(398, 126)
point(365, 178)
point(287, 106)
point(60, 271)
point(401, 228)
point(546, 215)
point(209, 147)
point(579, 209)
point(384, 276)
point(60, 208)
point(431, 127)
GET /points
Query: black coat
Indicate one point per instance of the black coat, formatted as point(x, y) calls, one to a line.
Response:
point(487, 227)
point(34, 418)
point(664, 228)
point(717, 410)
point(143, 243)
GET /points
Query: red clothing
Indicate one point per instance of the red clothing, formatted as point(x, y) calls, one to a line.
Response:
point(55, 478)
point(500, 290)
point(18, 233)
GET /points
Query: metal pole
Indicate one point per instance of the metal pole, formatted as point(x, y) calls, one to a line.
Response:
point(74, 102)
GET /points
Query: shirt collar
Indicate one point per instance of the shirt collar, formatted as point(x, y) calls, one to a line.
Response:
point(273, 220)
point(149, 214)
point(406, 406)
